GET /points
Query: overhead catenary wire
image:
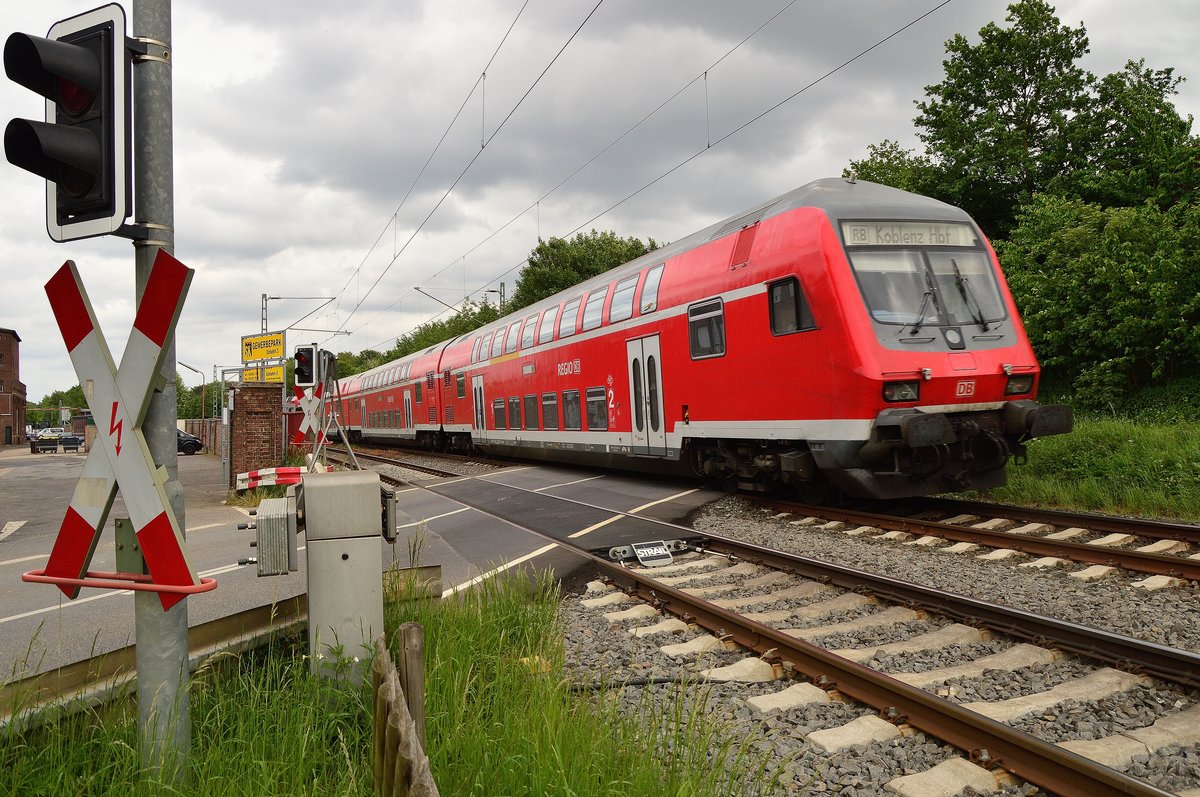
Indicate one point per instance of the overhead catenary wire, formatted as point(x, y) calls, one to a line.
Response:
point(537, 203)
point(470, 163)
point(710, 145)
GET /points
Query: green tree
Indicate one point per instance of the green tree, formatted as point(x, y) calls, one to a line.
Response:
point(1133, 146)
point(557, 264)
point(1110, 297)
point(999, 123)
point(888, 163)
point(70, 399)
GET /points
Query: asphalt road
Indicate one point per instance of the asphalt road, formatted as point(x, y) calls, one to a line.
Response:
point(40, 629)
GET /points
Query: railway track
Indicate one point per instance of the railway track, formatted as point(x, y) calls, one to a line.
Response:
point(814, 594)
point(1055, 537)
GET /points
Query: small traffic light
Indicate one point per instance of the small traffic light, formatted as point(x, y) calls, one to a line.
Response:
point(306, 365)
point(83, 147)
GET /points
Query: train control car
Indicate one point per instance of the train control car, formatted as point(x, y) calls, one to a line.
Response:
point(845, 337)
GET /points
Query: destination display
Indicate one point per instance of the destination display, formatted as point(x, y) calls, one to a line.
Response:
point(907, 233)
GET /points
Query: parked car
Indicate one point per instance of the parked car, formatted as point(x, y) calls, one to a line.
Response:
point(188, 443)
point(53, 433)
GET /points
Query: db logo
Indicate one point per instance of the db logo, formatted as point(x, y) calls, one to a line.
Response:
point(965, 388)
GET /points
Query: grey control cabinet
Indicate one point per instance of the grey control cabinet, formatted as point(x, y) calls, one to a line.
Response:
point(345, 569)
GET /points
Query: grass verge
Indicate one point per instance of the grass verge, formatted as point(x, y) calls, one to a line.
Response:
point(501, 719)
point(1114, 465)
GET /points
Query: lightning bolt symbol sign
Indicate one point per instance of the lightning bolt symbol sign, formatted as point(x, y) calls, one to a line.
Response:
point(115, 428)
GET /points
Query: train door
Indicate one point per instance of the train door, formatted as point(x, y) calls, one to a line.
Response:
point(479, 423)
point(645, 396)
point(408, 409)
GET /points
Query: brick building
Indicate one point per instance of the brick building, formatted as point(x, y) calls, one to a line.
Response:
point(255, 427)
point(12, 390)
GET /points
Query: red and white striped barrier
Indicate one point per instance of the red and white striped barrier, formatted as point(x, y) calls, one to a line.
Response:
point(269, 477)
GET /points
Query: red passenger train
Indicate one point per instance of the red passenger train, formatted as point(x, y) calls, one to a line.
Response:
point(845, 336)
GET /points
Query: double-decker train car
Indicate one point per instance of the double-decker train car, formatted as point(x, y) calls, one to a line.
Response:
point(844, 337)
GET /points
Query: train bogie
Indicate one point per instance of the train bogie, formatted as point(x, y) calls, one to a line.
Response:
point(843, 337)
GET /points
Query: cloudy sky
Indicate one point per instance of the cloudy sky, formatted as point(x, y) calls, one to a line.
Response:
point(301, 128)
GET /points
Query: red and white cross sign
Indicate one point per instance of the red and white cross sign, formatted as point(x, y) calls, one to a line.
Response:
point(119, 400)
point(309, 400)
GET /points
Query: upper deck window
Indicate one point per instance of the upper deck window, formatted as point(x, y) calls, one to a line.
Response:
point(546, 328)
point(514, 330)
point(622, 301)
point(923, 273)
point(530, 333)
point(593, 311)
point(650, 288)
point(568, 321)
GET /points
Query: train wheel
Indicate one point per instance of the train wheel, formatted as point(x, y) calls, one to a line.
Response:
point(817, 491)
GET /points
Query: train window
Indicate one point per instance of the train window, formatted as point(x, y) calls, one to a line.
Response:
point(546, 328)
point(530, 334)
point(789, 308)
point(593, 311)
point(483, 349)
point(498, 413)
point(462, 385)
point(498, 343)
point(475, 351)
point(706, 329)
point(514, 412)
point(650, 288)
point(597, 414)
point(531, 412)
point(550, 411)
point(622, 301)
point(514, 330)
point(572, 412)
point(568, 321)
point(418, 386)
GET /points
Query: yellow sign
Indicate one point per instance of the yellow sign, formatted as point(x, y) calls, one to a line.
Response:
point(262, 347)
point(272, 373)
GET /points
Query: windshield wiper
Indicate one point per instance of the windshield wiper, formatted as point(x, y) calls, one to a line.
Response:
point(968, 296)
point(929, 295)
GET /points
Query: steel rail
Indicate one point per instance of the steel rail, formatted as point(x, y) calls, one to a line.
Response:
point(986, 741)
point(1170, 664)
point(1155, 564)
point(1143, 527)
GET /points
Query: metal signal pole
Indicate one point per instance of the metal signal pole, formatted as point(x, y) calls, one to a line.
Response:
point(164, 720)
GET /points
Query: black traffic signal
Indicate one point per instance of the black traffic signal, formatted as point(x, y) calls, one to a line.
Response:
point(83, 147)
point(306, 366)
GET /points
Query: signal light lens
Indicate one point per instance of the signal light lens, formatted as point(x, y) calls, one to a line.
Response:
point(901, 391)
point(74, 98)
point(1018, 384)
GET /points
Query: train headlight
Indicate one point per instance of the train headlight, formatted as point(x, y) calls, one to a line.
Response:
point(1018, 384)
point(901, 391)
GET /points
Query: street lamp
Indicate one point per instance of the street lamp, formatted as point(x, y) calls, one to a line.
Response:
point(203, 394)
point(501, 294)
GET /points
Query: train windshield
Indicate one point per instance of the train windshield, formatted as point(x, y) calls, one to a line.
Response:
point(918, 275)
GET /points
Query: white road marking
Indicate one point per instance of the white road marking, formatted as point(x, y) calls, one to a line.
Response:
point(5, 472)
point(568, 484)
point(633, 511)
point(434, 517)
point(25, 559)
point(498, 570)
point(9, 528)
point(205, 526)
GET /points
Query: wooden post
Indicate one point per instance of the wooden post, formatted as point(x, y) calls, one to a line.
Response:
point(411, 672)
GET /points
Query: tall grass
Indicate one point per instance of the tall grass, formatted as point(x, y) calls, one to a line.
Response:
point(501, 719)
point(1115, 465)
point(260, 726)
